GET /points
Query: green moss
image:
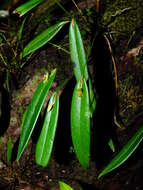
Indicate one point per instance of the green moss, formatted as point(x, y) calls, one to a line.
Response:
point(125, 16)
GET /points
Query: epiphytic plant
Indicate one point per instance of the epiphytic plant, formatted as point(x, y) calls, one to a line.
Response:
point(83, 97)
point(82, 106)
point(83, 102)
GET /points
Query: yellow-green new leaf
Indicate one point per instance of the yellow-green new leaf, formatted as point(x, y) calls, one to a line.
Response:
point(80, 122)
point(125, 153)
point(64, 186)
point(77, 52)
point(45, 142)
point(26, 7)
point(31, 115)
point(42, 39)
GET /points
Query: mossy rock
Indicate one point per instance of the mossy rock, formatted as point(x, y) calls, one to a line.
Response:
point(124, 20)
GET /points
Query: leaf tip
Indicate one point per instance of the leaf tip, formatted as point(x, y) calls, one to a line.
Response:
point(53, 72)
point(17, 13)
point(99, 176)
point(102, 173)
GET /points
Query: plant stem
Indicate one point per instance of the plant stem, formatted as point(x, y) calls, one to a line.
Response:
point(3, 60)
point(59, 4)
point(59, 47)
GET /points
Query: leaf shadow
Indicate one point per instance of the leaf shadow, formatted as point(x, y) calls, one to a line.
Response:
point(63, 141)
point(5, 110)
point(104, 127)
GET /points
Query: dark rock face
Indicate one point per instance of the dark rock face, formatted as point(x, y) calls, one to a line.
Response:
point(124, 20)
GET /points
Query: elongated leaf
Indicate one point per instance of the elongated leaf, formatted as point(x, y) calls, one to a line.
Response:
point(125, 153)
point(111, 145)
point(78, 58)
point(64, 186)
point(77, 52)
point(31, 115)
point(92, 98)
point(26, 7)
point(19, 34)
point(9, 150)
point(42, 39)
point(80, 122)
point(46, 139)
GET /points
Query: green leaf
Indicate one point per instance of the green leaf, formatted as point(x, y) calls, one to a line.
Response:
point(92, 98)
point(111, 145)
point(64, 186)
point(26, 7)
point(78, 58)
point(42, 39)
point(80, 122)
point(31, 115)
point(125, 153)
point(77, 52)
point(46, 139)
point(9, 150)
point(19, 34)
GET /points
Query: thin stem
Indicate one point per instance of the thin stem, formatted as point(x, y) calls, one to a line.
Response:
point(115, 78)
point(59, 4)
point(79, 10)
point(90, 48)
point(59, 47)
point(3, 60)
point(26, 61)
point(7, 80)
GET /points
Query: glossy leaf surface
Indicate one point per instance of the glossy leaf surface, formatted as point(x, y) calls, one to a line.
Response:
point(77, 52)
point(31, 115)
point(42, 39)
point(26, 7)
point(45, 142)
point(125, 153)
point(64, 186)
point(80, 123)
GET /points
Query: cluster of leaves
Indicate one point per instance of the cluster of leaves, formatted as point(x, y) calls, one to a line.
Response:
point(82, 106)
point(16, 56)
point(83, 97)
point(83, 102)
